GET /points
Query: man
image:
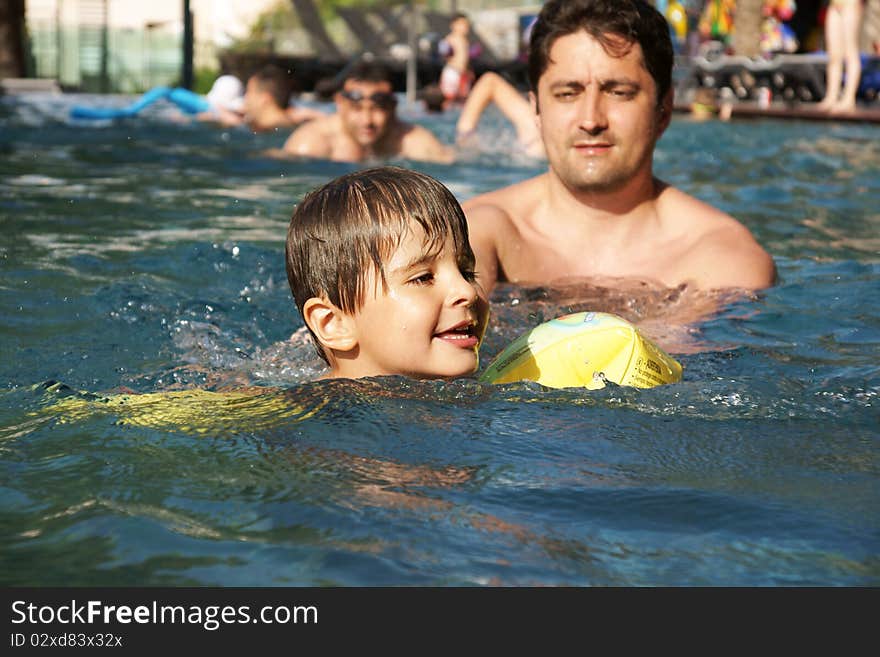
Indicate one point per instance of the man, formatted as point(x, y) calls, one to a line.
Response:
point(600, 73)
point(365, 125)
point(267, 101)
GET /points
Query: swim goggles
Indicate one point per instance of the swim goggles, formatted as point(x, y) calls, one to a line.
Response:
point(381, 99)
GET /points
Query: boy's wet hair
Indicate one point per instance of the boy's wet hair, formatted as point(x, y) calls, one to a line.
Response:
point(351, 226)
point(634, 20)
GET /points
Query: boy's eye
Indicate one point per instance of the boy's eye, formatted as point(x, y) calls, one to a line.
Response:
point(469, 275)
point(422, 279)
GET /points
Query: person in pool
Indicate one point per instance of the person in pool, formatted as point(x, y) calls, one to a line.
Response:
point(381, 270)
point(266, 103)
point(365, 125)
point(600, 75)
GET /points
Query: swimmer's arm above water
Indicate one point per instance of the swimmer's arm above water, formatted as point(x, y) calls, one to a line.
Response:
point(223, 117)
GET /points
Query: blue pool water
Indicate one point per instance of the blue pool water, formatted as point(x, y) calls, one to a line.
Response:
point(147, 256)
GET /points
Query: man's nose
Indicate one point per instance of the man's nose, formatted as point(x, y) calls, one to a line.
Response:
point(593, 117)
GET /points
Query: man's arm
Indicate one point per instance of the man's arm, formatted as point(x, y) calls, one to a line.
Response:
point(225, 118)
point(731, 259)
point(421, 144)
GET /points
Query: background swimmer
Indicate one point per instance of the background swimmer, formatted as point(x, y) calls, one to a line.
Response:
point(365, 125)
point(267, 101)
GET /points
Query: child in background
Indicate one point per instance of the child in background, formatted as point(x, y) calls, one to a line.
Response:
point(382, 272)
point(457, 77)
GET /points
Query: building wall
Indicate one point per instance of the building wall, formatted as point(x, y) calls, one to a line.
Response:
point(144, 37)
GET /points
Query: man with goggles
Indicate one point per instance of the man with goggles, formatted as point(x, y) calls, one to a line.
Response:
point(365, 125)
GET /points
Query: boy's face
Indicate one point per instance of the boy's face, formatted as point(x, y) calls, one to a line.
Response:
point(430, 321)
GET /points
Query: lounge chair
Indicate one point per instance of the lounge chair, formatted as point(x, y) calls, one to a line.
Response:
point(322, 44)
point(371, 39)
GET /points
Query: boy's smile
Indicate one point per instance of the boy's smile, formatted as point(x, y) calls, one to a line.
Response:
point(426, 322)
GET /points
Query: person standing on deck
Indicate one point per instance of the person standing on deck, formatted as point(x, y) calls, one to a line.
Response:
point(457, 77)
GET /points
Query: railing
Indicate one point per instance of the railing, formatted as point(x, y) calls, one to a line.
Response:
point(70, 41)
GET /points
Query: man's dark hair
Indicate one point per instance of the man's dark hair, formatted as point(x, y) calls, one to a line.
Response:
point(350, 227)
point(433, 98)
point(634, 20)
point(277, 82)
point(369, 71)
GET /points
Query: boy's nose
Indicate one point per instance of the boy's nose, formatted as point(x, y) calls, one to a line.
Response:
point(462, 291)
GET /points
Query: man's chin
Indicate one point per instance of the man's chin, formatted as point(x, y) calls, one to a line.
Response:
point(597, 184)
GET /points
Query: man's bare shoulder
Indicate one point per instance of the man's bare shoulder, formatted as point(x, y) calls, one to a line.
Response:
point(721, 252)
point(313, 138)
point(510, 200)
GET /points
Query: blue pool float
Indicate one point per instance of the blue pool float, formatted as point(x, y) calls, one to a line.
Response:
point(184, 99)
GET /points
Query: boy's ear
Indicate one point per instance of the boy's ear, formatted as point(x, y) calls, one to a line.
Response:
point(334, 328)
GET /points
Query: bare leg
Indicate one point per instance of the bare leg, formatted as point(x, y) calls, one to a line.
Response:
point(851, 18)
point(834, 46)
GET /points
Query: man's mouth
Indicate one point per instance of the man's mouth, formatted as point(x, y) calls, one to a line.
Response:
point(592, 147)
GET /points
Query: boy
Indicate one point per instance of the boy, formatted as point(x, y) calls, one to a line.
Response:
point(382, 272)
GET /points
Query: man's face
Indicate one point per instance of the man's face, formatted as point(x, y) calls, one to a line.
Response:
point(599, 118)
point(366, 109)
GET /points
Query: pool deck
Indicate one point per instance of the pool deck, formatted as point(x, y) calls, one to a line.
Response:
point(798, 111)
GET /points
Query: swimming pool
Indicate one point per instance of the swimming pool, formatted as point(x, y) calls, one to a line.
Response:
point(147, 256)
